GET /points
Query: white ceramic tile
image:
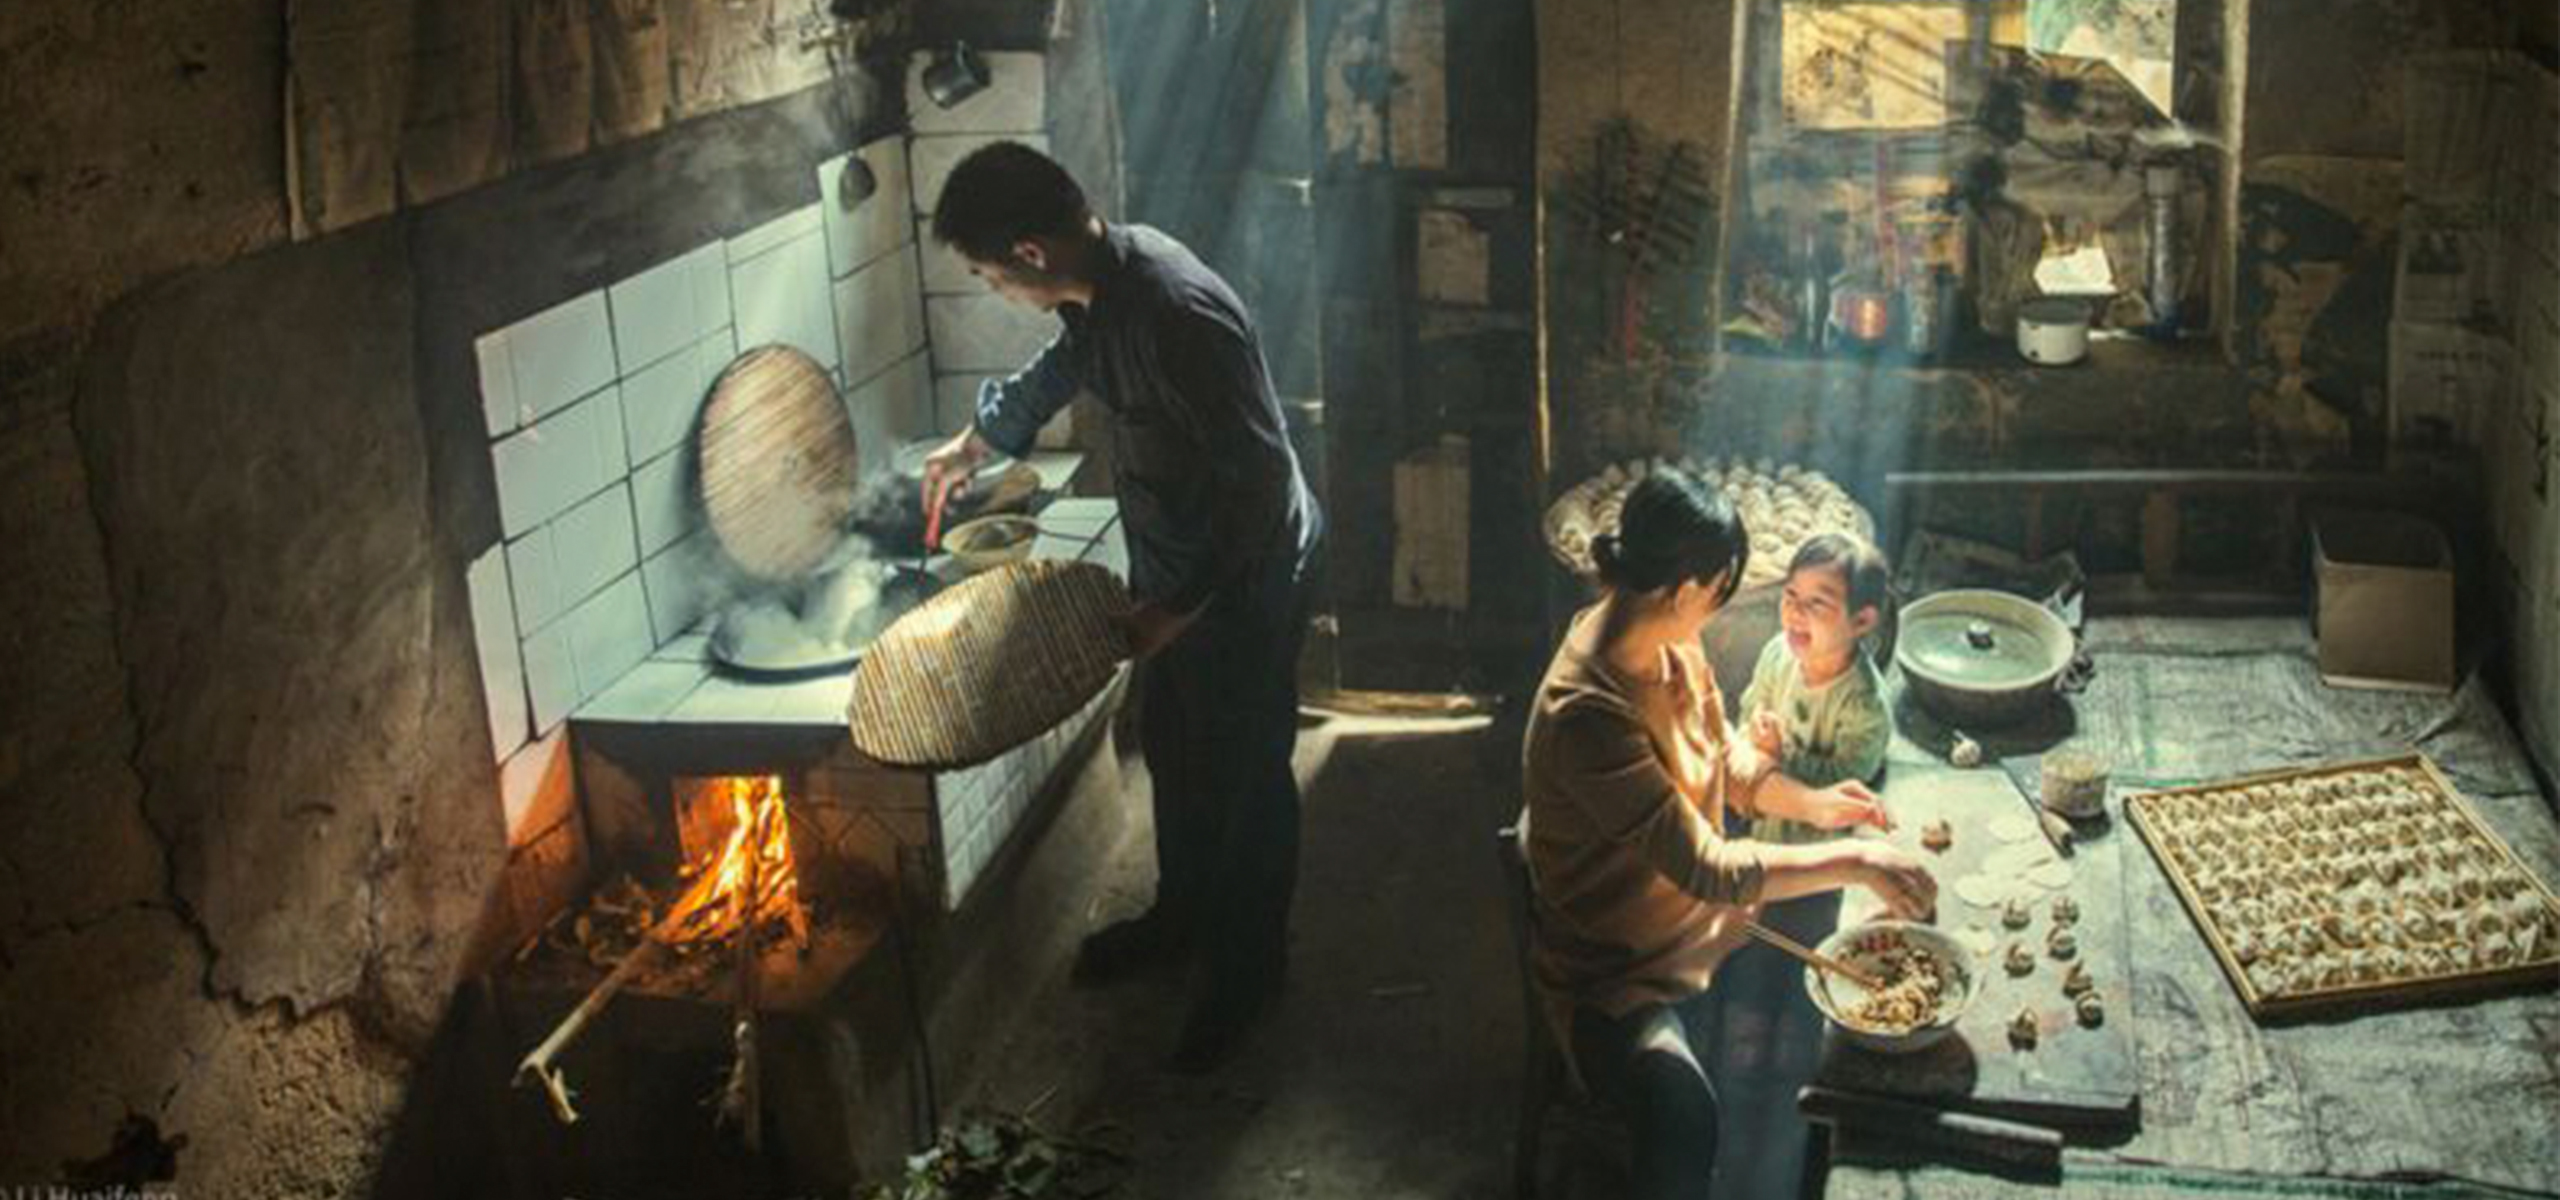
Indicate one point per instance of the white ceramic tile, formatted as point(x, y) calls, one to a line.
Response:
point(958, 794)
point(497, 382)
point(879, 315)
point(534, 571)
point(1057, 468)
point(678, 583)
point(891, 408)
point(1079, 516)
point(663, 402)
point(790, 226)
point(493, 633)
point(662, 499)
point(561, 354)
point(1063, 549)
point(782, 297)
point(537, 787)
point(821, 701)
point(550, 678)
point(723, 700)
point(609, 634)
point(593, 544)
point(955, 399)
point(646, 693)
point(1012, 102)
point(690, 647)
point(875, 225)
point(960, 872)
point(930, 159)
point(708, 271)
point(669, 307)
point(985, 332)
point(566, 458)
point(945, 272)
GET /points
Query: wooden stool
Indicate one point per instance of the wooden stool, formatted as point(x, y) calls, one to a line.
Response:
point(1550, 1096)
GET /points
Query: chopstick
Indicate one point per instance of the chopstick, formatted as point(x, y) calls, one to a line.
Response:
point(1812, 957)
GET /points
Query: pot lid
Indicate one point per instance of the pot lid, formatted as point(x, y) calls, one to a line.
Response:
point(778, 463)
point(1981, 641)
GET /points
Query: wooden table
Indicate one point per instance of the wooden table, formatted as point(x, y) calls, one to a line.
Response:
point(2467, 1091)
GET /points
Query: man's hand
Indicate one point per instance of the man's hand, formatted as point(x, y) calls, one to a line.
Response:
point(1843, 805)
point(1898, 879)
point(948, 468)
point(1152, 627)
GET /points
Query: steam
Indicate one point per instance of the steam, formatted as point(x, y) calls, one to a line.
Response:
point(829, 614)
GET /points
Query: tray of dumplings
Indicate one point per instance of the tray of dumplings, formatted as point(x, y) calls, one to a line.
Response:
point(2351, 885)
point(1780, 506)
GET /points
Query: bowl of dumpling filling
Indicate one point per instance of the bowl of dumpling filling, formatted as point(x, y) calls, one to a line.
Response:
point(1925, 978)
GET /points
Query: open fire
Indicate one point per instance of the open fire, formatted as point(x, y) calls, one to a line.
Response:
point(738, 859)
point(739, 877)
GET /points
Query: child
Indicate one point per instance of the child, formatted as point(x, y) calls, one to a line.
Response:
point(1816, 703)
point(1816, 706)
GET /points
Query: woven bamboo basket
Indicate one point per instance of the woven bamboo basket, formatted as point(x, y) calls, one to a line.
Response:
point(989, 664)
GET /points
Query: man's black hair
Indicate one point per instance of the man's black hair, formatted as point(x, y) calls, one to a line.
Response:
point(1004, 193)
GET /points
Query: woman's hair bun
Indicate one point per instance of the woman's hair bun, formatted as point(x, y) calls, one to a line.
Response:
point(1606, 554)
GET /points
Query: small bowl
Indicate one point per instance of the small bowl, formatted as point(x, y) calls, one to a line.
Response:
point(1859, 947)
point(990, 542)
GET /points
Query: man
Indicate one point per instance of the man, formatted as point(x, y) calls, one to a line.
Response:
point(1221, 531)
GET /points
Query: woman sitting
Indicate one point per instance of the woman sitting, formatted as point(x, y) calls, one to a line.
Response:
point(1628, 772)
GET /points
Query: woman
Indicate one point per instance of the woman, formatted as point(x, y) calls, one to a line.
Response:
point(1628, 772)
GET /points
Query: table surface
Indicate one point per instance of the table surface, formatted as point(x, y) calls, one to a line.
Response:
point(2076, 1076)
point(2466, 1091)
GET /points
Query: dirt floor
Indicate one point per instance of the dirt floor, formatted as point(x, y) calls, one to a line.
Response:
point(1392, 1066)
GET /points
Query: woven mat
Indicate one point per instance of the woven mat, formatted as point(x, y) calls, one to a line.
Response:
point(778, 457)
point(989, 664)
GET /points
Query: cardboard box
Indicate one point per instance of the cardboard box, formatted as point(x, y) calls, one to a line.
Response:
point(2382, 601)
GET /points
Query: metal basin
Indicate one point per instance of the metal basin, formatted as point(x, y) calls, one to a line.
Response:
point(1981, 658)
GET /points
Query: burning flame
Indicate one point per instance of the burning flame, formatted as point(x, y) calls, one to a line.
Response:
point(754, 856)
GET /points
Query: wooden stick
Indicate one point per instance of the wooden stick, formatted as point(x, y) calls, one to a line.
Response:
point(1812, 957)
point(747, 1070)
point(538, 1067)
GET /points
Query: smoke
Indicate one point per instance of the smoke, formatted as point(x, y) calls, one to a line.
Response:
point(828, 615)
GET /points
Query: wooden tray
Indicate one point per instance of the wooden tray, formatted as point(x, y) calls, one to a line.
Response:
point(2540, 965)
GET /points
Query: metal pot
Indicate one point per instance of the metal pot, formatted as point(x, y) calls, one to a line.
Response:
point(1978, 658)
point(821, 630)
point(890, 508)
point(2053, 331)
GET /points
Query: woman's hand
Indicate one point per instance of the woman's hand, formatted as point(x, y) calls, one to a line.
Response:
point(1897, 878)
point(1693, 686)
point(1844, 805)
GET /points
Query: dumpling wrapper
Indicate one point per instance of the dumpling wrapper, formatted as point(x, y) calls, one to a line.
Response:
point(2013, 827)
point(1987, 890)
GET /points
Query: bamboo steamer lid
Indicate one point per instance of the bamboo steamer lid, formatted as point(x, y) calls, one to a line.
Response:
point(778, 463)
point(989, 664)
